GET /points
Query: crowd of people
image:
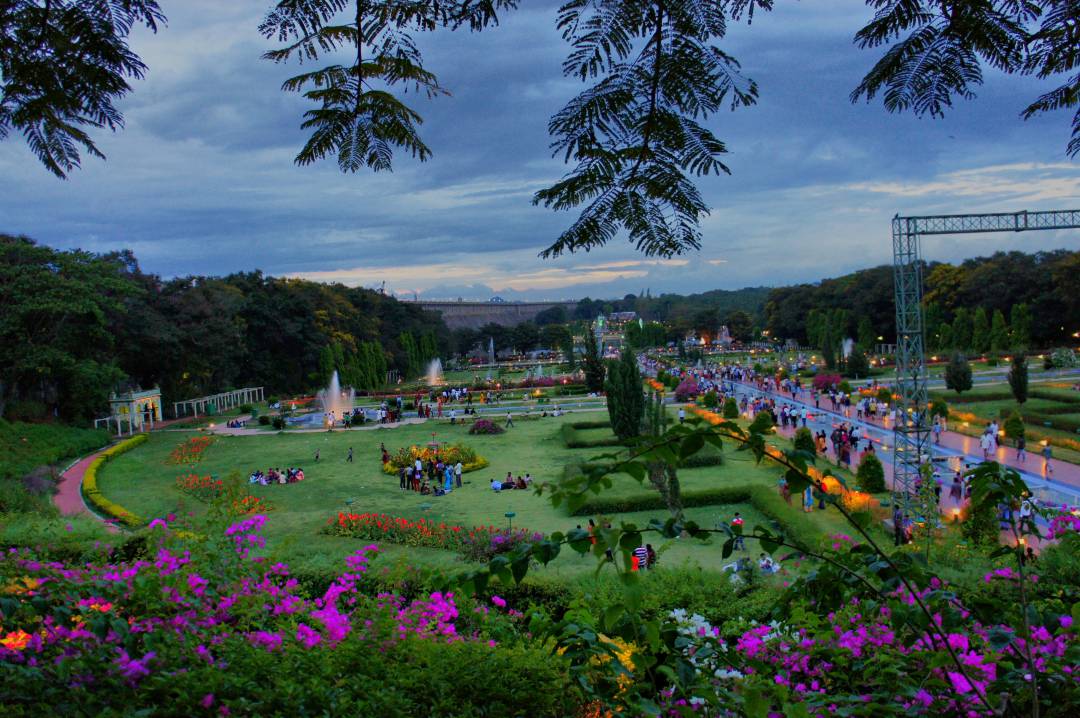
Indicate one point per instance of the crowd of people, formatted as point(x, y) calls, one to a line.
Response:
point(276, 476)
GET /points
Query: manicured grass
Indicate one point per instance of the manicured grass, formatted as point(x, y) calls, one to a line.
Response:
point(143, 482)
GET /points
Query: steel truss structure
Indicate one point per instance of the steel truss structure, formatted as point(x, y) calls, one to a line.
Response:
point(911, 433)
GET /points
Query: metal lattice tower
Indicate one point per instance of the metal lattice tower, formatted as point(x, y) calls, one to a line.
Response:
point(911, 444)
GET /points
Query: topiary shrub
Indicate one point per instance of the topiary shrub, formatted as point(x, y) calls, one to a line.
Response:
point(804, 440)
point(245, 408)
point(710, 400)
point(278, 422)
point(1014, 426)
point(939, 407)
point(870, 476)
point(264, 420)
point(731, 408)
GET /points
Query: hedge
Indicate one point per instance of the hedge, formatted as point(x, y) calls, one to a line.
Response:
point(769, 502)
point(573, 440)
point(1054, 396)
point(604, 424)
point(1064, 423)
point(974, 397)
point(92, 493)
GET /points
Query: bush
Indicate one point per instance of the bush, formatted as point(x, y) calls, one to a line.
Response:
point(804, 440)
point(824, 382)
point(939, 407)
point(245, 408)
point(278, 422)
point(710, 400)
point(731, 408)
point(264, 420)
point(486, 426)
point(870, 476)
point(687, 390)
point(1014, 426)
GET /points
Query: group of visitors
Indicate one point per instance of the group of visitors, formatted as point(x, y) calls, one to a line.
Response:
point(436, 478)
point(236, 423)
point(509, 482)
point(276, 476)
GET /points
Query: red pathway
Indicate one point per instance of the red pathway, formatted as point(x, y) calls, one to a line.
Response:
point(68, 497)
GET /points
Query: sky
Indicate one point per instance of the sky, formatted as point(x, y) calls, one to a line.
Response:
point(202, 179)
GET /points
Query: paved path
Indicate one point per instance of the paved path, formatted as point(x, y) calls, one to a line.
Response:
point(68, 496)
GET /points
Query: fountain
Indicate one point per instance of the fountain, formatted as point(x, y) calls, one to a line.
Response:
point(847, 346)
point(539, 371)
point(333, 402)
point(434, 373)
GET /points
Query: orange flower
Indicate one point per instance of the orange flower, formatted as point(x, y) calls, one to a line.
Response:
point(15, 640)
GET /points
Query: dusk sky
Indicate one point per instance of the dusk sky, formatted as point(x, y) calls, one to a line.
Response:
point(202, 180)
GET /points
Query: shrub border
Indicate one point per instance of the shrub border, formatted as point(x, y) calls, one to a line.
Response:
point(92, 494)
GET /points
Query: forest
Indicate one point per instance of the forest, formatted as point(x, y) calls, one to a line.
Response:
point(77, 325)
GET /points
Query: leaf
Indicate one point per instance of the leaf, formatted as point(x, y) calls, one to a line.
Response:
point(727, 548)
point(691, 445)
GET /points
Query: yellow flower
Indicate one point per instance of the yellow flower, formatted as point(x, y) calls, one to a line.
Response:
point(25, 585)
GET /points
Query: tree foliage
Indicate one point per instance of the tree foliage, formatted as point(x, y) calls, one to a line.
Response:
point(1018, 378)
point(625, 399)
point(958, 374)
point(63, 66)
point(591, 363)
point(636, 136)
point(937, 50)
point(870, 476)
point(358, 118)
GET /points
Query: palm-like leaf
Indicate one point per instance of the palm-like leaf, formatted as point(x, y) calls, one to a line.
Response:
point(636, 135)
point(63, 65)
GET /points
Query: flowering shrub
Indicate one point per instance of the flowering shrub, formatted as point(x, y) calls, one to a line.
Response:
point(190, 450)
point(213, 628)
point(405, 457)
point(251, 504)
point(825, 382)
point(485, 426)
point(538, 381)
point(686, 390)
point(479, 543)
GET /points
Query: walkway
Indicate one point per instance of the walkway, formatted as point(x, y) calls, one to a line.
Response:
point(68, 497)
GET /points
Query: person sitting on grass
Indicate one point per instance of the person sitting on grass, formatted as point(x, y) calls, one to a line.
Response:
point(496, 485)
point(520, 483)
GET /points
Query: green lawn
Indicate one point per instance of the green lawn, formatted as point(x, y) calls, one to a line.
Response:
point(143, 482)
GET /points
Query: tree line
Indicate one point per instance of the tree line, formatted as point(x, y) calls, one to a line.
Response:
point(1002, 302)
point(78, 325)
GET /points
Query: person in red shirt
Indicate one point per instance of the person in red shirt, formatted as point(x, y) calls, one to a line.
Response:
point(736, 526)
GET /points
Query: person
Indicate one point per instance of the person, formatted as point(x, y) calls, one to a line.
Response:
point(316, 456)
point(403, 478)
point(1047, 452)
point(898, 526)
point(650, 555)
point(457, 473)
point(348, 459)
point(808, 500)
point(736, 526)
point(937, 430)
point(1026, 510)
point(528, 479)
point(641, 558)
point(1021, 449)
point(986, 442)
point(520, 483)
point(496, 485)
point(766, 564)
point(956, 491)
point(682, 415)
point(509, 420)
point(299, 474)
point(785, 491)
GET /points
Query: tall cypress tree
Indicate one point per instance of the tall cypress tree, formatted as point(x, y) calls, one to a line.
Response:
point(999, 332)
point(1018, 378)
point(591, 363)
point(625, 398)
point(980, 331)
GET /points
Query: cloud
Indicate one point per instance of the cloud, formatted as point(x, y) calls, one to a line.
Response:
point(202, 180)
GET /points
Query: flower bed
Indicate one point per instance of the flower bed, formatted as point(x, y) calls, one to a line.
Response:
point(200, 626)
point(91, 492)
point(203, 488)
point(405, 457)
point(486, 426)
point(479, 543)
point(190, 450)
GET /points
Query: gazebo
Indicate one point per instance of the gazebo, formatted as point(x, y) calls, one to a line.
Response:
point(139, 409)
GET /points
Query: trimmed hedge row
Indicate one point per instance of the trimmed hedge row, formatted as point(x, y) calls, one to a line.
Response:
point(1054, 421)
point(573, 440)
point(1054, 396)
point(93, 494)
point(596, 424)
point(973, 397)
point(796, 527)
